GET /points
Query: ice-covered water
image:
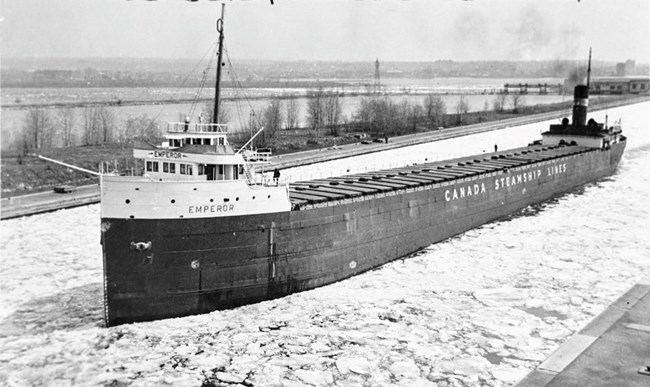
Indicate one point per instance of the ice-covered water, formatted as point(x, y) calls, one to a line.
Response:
point(483, 308)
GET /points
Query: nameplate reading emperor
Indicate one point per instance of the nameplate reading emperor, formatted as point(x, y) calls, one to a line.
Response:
point(168, 154)
point(214, 208)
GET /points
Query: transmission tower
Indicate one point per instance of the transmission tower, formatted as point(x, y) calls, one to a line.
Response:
point(377, 86)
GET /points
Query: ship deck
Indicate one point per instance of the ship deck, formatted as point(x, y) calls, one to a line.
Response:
point(323, 192)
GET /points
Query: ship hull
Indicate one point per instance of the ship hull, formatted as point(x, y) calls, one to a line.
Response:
point(162, 268)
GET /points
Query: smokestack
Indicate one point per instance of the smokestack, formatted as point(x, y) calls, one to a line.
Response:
point(580, 103)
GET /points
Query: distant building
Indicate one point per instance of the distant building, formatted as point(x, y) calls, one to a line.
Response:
point(620, 85)
point(625, 68)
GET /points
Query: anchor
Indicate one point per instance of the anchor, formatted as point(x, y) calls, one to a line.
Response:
point(140, 246)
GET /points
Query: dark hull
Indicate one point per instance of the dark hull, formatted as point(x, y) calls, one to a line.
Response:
point(201, 265)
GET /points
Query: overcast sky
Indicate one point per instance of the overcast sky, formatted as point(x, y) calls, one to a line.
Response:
point(358, 30)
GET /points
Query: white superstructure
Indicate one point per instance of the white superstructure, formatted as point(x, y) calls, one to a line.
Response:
point(195, 173)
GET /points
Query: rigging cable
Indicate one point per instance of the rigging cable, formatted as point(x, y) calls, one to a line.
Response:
point(237, 88)
point(163, 107)
point(201, 87)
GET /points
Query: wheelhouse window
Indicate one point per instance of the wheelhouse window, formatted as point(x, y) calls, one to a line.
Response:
point(186, 169)
point(201, 169)
point(152, 166)
point(169, 167)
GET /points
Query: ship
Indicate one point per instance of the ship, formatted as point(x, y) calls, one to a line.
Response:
point(199, 231)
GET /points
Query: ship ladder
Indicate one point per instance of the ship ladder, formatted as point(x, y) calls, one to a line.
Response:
point(249, 176)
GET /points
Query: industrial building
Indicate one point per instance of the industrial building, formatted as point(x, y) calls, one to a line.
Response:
point(620, 85)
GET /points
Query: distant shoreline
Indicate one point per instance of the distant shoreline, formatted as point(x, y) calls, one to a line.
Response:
point(49, 105)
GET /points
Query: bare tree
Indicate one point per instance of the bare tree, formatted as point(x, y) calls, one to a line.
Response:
point(292, 114)
point(404, 120)
point(416, 112)
point(208, 110)
point(462, 108)
point(332, 110)
point(25, 144)
point(99, 125)
point(435, 109)
point(370, 115)
point(66, 119)
point(90, 127)
point(316, 110)
point(140, 128)
point(38, 129)
point(517, 100)
point(499, 103)
point(107, 124)
point(272, 117)
point(381, 116)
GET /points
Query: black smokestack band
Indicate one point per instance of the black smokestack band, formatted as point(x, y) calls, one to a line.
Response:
point(580, 104)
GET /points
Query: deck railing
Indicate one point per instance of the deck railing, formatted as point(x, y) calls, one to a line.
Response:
point(257, 156)
point(179, 127)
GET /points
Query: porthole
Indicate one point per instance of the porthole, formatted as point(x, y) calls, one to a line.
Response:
point(211, 200)
point(226, 200)
point(131, 216)
point(253, 197)
point(173, 201)
point(236, 199)
point(269, 196)
point(127, 201)
point(137, 189)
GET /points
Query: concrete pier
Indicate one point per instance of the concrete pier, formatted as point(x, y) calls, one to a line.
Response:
point(612, 350)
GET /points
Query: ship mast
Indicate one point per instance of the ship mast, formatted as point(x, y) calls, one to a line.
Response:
point(217, 86)
point(589, 69)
